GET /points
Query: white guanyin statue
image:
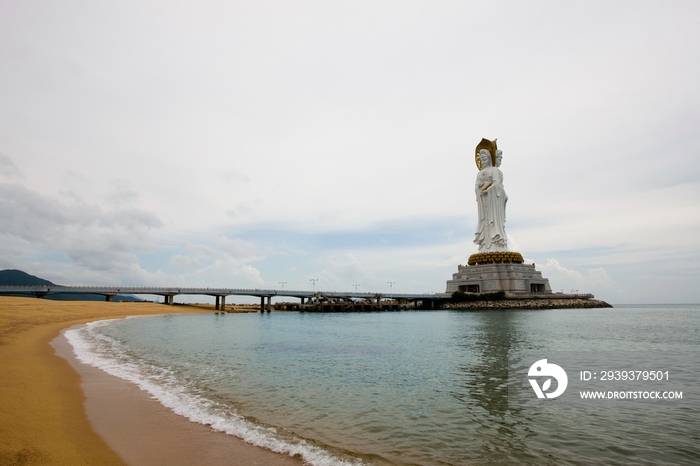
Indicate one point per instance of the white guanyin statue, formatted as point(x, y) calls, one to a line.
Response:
point(491, 198)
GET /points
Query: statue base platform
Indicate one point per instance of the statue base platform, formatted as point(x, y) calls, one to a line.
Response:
point(510, 277)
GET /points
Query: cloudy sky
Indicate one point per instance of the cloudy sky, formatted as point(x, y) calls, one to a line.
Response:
point(248, 143)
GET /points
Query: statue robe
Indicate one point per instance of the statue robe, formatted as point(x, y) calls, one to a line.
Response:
point(491, 198)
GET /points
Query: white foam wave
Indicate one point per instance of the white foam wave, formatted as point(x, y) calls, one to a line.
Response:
point(96, 349)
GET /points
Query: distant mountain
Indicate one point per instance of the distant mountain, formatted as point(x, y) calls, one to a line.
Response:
point(18, 278)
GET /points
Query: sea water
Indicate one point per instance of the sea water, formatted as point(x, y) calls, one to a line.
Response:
point(417, 387)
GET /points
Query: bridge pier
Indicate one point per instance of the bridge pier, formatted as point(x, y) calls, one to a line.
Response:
point(302, 305)
point(262, 304)
point(269, 303)
point(109, 298)
point(220, 302)
point(169, 299)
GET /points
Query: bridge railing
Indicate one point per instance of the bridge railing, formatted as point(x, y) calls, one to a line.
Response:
point(206, 291)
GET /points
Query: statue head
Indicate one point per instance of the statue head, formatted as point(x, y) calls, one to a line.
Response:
point(491, 147)
point(485, 158)
point(499, 157)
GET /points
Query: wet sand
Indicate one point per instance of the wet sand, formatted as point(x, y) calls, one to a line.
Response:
point(59, 411)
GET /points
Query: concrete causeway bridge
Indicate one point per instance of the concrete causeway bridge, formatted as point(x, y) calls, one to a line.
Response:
point(169, 293)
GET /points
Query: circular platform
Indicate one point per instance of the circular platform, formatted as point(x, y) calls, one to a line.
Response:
point(502, 257)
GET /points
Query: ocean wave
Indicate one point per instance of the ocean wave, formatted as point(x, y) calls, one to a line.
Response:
point(96, 349)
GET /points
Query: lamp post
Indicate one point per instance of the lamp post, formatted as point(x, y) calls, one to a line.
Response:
point(283, 283)
point(391, 287)
point(313, 281)
point(356, 286)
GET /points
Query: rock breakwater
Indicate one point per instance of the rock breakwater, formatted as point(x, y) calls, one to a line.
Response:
point(533, 303)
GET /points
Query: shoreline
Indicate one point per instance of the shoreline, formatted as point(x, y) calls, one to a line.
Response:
point(143, 432)
point(53, 412)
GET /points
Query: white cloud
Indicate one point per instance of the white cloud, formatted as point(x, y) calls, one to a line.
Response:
point(236, 248)
point(185, 262)
point(252, 273)
point(91, 237)
point(594, 280)
point(8, 168)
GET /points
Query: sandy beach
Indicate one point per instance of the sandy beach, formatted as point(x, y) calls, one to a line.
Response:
point(54, 410)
